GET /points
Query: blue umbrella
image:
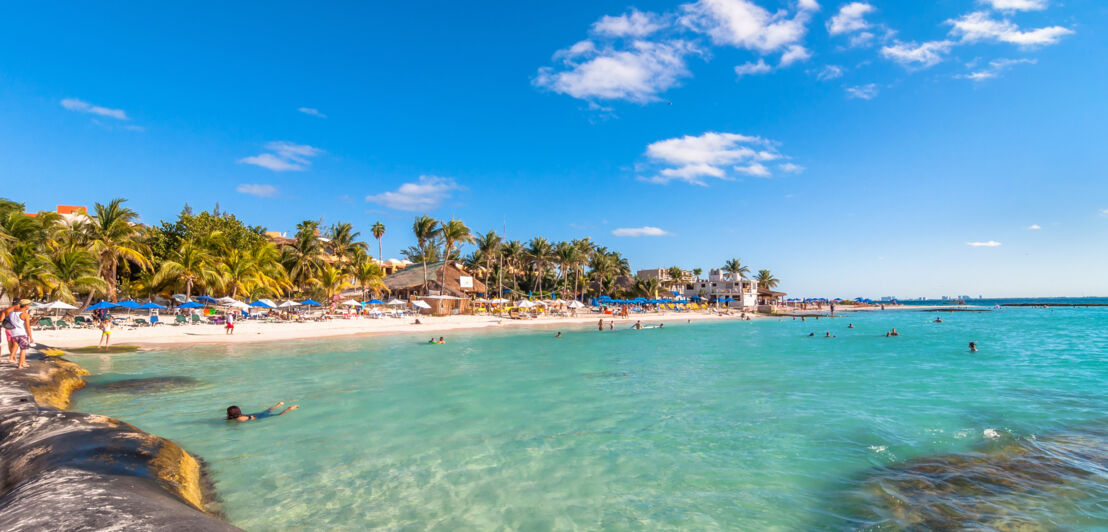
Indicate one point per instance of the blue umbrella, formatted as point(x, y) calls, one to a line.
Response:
point(103, 305)
point(261, 304)
point(191, 304)
point(128, 304)
point(209, 299)
point(376, 301)
point(310, 302)
point(150, 305)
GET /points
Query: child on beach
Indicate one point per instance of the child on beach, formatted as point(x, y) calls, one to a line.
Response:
point(105, 332)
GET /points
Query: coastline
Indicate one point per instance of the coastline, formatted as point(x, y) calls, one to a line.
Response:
point(72, 470)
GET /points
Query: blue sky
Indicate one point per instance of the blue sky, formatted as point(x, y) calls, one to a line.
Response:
point(854, 148)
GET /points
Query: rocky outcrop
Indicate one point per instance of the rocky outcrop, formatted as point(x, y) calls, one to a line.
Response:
point(74, 471)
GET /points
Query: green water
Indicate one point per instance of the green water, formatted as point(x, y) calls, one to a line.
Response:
point(721, 425)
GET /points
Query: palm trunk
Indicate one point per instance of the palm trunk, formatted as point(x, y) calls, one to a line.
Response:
point(380, 255)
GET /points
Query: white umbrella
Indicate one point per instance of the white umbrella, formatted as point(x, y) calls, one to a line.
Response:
point(268, 302)
point(395, 302)
point(60, 305)
point(351, 303)
point(288, 304)
point(421, 304)
point(575, 304)
point(227, 301)
point(524, 304)
point(238, 304)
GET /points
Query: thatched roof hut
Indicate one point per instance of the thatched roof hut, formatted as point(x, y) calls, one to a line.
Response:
point(409, 281)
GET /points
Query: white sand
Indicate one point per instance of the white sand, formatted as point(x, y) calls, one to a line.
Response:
point(257, 331)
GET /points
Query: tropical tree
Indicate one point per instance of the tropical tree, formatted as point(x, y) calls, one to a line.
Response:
point(488, 250)
point(424, 228)
point(344, 243)
point(191, 264)
point(369, 276)
point(565, 255)
point(648, 288)
point(735, 269)
point(71, 270)
point(539, 253)
point(378, 231)
point(766, 279)
point(697, 272)
point(332, 281)
point(238, 271)
point(676, 277)
point(513, 254)
point(303, 258)
point(453, 233)
point(114, 235)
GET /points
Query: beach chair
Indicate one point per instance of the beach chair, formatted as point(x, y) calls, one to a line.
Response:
point(181, 319)
point(142, 322)
point(44, 323)
point(195, 319)
point(61, 324)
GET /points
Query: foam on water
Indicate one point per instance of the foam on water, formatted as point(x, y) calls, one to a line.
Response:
point(723, 425)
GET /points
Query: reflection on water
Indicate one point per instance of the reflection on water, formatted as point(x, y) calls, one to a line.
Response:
point(1023, 483)
point(144, 385)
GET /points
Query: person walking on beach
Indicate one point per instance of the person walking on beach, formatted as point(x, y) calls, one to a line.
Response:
point(230, 316)
point(17, 327)
point(234, 413)
point(105, 331)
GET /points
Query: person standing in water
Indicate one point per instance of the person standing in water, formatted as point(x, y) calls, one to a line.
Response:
point(600, 325)
point(973, 347)
point(105, 331)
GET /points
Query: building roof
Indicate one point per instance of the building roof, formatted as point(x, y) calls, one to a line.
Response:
point(72, 209)
point(768, 292)
point(412, 277)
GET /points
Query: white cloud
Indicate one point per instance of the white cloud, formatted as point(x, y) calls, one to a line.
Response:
point(1034, 227)
point(987, 244)
point(851, 18)
point(633, 24)
point(636, 74)
point(861, 39)
point(926, 54)
point(753, 68)
point(262, 191)
point(640, 231)
point(743, 24)
point(285, 156)
point(426, 194)
point(73, 104)
point(791, 168)
point(995, 68)
point(311, 111)
point(863, 92)
point(1104, 212)
point(793, 54)
point(979, 26)
point(711, 155)
point(1016, 5)
point(830, 72)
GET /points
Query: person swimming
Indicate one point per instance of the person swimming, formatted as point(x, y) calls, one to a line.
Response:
point(441, 340)
point(432, 340)
point(812, 334)
point(234, 413)
point(973, 347)
point(938, 319)
point(851, 326)
point(827, 335)
point(637, 325)
point(559, 335)
point(893, 332)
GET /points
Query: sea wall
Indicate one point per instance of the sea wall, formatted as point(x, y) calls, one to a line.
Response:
point(69, 470)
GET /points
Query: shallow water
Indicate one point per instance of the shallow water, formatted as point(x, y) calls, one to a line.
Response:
point(722, 425)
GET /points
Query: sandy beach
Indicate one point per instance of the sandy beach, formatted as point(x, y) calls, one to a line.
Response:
point(248, 331)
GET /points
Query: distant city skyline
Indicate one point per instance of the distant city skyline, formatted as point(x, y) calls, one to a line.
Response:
point(853, 148)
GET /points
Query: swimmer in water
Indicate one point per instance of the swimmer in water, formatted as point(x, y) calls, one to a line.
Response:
point(938, 319)
point(559, 335)
point(893, 332)
point(851, 326)
point(235, 414)
point(600, 325)
point(612, 325)
point(432, 340)
point(973, 347)
point(660, 325)
point(638, 325)
point(812, 334)
point(828, 335)
point(441, 340)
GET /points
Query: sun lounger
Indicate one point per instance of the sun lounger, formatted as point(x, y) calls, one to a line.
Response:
point(181, 319)
point(44, 323)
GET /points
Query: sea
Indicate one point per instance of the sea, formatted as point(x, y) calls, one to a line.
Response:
point(771, 424)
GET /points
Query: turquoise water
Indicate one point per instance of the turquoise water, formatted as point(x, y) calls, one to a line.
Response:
point(720, 425)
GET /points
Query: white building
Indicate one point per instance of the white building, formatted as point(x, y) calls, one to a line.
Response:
point(720, 286)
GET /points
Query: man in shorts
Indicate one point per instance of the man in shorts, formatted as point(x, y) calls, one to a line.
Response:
point(19, 334)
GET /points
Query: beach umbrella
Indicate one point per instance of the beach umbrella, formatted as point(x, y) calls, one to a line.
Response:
point(128, 304)
point(575, 304)
point(310, 302)
point(396, 302)
point(191, 304)
point(208, 299)
point(524, 304)
point(102, 305)
point(262, 304)
point(421, 304)
point(351, 303)
point(60, 305)
point(376, 301)
point(150, 305)
point(288, 304)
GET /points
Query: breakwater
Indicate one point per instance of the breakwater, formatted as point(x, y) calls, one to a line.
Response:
point(75, 471)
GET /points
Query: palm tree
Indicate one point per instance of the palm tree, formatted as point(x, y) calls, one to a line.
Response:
point(303, 258)
point(453, 233)
point(565, 254)
point(766, 279)
point(378, 231)
point(238, 271)
point(513, 253)
point(488, 248)
point(70, 270)
point(585, 251)
point(332, 281)
point(539, 253)
point(270, 276)
point(26, 276)
point(192, 264)
point(648, 288)
point(369, 276)
point(676, 277)
point(344, 242)
point(697, 272)
point(735, 266)
point(424, 229)
point(114, 235)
